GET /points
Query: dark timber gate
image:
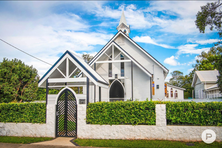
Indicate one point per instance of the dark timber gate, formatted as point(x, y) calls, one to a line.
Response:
point(66, 115)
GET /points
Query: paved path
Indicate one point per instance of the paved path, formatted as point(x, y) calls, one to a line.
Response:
point(60, 141)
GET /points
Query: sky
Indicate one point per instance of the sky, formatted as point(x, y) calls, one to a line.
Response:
point(46, 29)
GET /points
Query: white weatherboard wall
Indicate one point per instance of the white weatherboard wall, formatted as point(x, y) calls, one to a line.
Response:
point(30, 129)
point(159, 131)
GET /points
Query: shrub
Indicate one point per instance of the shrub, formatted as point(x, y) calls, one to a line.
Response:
point(137, 112)
point(192, 113)
point(143, 112)
point(23, 112)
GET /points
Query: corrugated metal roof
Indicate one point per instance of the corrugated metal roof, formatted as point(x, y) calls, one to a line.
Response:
point(213, 87)
point(207, 75)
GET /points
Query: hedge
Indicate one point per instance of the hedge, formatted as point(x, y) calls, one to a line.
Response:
point(137, 112)
point(23, 112)
point(143, 112)
point(192, 113)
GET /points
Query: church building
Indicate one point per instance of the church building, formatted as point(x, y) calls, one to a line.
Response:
point(121, 70)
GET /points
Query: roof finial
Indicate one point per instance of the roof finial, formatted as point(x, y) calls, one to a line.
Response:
point(123, 19)
point(123, 25)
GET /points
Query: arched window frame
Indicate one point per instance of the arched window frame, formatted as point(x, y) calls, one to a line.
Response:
point(121, 85)
point(176, 94)
point(171, 92)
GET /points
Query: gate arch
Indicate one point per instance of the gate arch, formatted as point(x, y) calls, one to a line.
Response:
point(116, 90)
point(66, 114)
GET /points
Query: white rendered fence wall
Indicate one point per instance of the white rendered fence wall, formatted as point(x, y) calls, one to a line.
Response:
point(159, 131)
point(30, 129)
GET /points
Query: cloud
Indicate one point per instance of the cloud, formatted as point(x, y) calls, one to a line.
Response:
point(203, 42)
point(190, 49)
point(171, 61)
point(45, 36)
point(147, 39)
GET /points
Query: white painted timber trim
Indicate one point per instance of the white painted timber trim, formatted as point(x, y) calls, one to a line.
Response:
point(115, 61)
point(60, 80)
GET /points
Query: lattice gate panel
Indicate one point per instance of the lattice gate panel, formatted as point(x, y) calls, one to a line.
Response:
point(66, 119)
point(71, 115)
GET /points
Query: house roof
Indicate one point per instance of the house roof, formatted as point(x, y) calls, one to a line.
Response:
point(215, 86)
point(207, 76)
point(80, 63)
point(176, 87)
point(144, 51)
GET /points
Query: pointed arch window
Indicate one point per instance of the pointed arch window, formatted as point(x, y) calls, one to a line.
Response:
point(122, 65)
point(116, 90)
point(176, 94)
point(110, 67)
point(171, 92)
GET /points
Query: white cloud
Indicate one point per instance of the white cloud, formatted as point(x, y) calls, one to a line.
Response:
point(45, 36)
point(203, 42)
point(147, 39)
point(190, 49)
point(171, 61)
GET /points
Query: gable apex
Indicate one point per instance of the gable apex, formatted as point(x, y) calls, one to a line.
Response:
point(79, 63)
point(134, 43)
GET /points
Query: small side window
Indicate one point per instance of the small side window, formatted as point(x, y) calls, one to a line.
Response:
point(157, 86)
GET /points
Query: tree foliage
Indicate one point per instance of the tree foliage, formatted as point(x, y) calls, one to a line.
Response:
point(177, 78)
point(219, 80)
point(18, 82)
point(210, 15)
point(182, 81)
point(208, 60)
point(87, 57)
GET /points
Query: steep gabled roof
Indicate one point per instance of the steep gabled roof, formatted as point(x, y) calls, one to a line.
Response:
point(144, 51)
point(80, 63)
point(208, 76)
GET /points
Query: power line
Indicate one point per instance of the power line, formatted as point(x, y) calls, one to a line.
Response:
point(24, 52)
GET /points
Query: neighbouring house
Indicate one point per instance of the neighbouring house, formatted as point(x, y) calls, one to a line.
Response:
point(121, 70)
point(174, 92)
point(205, 86)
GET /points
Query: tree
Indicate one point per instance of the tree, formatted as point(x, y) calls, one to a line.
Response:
point(177, 77)
point(182, 81)
point(18, 82)
point(219, 80)
point(210, 15)
point(87, 57)
point(208, 60)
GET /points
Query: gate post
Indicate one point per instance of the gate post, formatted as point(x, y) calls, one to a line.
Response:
point(160, 114)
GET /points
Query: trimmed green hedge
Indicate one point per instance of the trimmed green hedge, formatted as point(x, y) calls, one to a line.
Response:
point(192, 113)
point(137, 112)
point(23, 112)
point(143, 112)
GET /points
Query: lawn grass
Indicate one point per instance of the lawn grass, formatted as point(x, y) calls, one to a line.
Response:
point(144, 143)
point(22, 140)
